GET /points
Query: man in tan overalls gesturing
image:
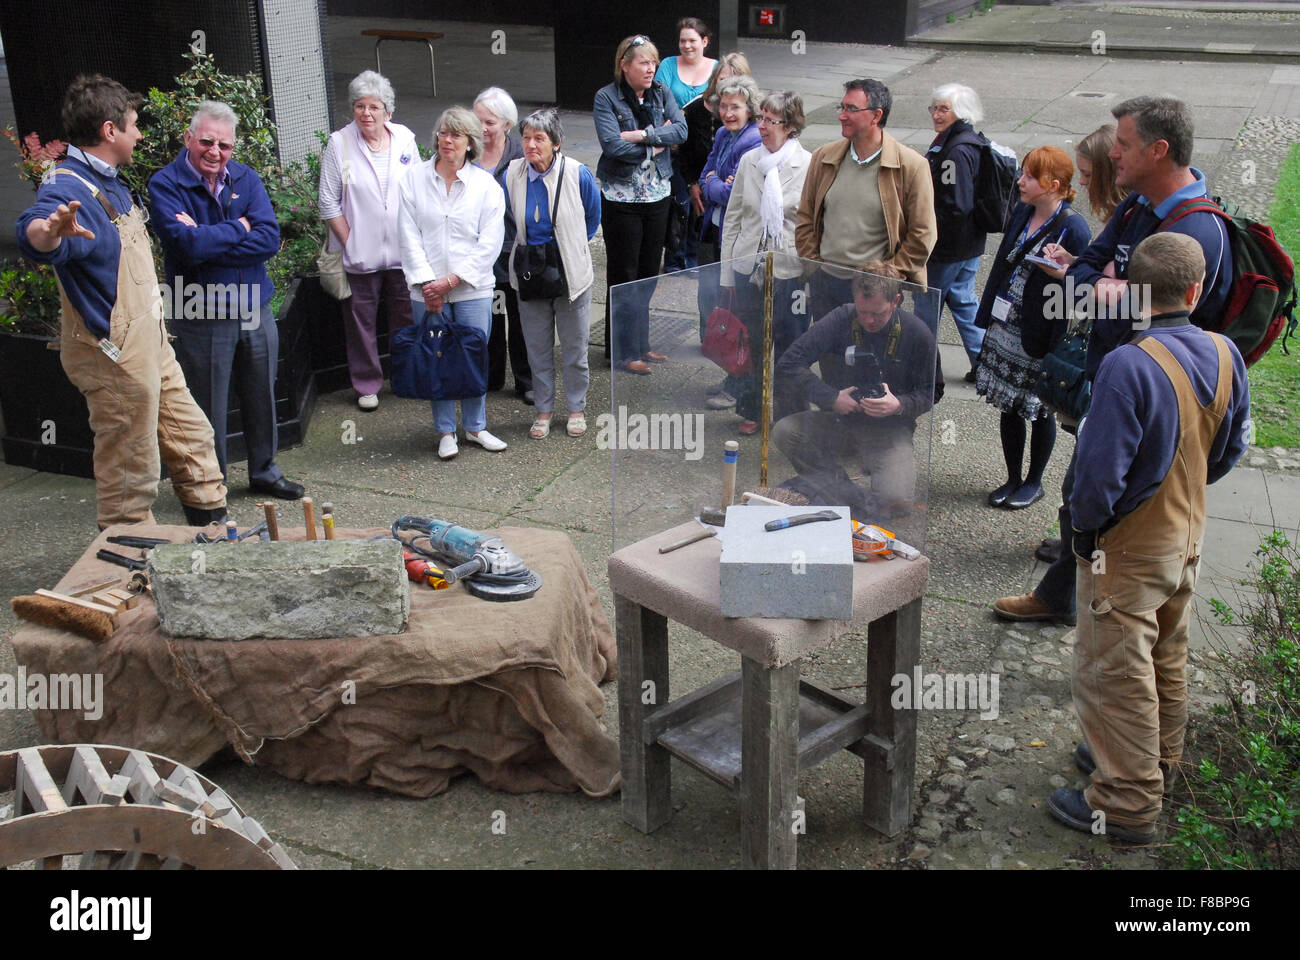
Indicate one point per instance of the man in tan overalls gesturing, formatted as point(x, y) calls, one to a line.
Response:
point(114, 346)
point(1170, 413)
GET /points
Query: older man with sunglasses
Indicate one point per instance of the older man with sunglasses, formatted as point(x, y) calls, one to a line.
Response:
point(218, 230)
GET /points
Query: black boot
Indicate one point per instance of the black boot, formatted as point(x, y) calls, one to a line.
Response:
point(200, 517)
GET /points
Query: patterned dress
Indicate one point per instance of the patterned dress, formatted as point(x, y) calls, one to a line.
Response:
point(1005, 374)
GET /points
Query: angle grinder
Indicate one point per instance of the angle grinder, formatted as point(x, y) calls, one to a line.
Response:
point(489, 570)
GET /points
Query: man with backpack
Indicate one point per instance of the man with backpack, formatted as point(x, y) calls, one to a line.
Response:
point(1170, 413)
point(1152, 154)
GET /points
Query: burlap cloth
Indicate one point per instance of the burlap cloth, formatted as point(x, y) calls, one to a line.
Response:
point(505, 690)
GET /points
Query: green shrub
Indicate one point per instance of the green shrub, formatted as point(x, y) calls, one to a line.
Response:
point(29, 299)
point(1239, 802)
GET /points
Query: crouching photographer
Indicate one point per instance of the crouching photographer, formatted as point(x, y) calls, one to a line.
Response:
point(878, 374)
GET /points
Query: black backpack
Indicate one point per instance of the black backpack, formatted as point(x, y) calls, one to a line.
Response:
point(995, 183)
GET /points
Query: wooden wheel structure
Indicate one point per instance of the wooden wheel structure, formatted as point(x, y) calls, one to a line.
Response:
point(113, 808)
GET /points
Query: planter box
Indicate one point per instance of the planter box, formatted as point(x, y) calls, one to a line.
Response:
point(35, 391)
point(46, 423)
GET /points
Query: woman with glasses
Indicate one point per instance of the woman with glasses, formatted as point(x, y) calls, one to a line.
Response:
point(954, 157)
point(1013, 302)
point(499, 116)
point(761, 217)
point(637, 120)
point(452, 226)
point(361, 173)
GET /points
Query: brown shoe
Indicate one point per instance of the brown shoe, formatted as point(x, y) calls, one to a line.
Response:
point(652, 357)
point(1028, 607)
point(636, 366)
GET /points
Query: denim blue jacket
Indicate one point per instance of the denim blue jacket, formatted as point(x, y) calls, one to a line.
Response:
point(618, 158)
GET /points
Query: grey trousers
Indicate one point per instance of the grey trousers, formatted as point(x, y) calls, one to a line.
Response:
point(818, 440)
point(541, 321)
point(224, 359)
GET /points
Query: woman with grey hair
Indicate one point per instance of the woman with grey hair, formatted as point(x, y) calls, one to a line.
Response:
point(452, 223)
point(761, 216)
point(499, 116)
point(738, 100)
point(555, 203)
point(954, 157)
point(364, 165)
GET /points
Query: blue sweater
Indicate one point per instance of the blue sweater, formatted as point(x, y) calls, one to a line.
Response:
point(1132, 222)
point(541, 230)
point(723, 160)
point(1128, 439)
point(86, 268)
point(219, 250)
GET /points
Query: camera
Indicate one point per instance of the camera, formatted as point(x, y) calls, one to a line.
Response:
point(864, 372)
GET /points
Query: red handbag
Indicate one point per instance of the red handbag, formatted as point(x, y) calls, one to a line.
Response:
point(726, 342)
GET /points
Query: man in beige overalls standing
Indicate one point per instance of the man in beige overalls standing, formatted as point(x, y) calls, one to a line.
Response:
point(114, 345)
point(1170, 413)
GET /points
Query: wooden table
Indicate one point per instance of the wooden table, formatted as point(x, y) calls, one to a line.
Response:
point(417, 36)
point(755, 731)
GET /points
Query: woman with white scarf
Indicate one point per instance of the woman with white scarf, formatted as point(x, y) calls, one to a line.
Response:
point(761, 217)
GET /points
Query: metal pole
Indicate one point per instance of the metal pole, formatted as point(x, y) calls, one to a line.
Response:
point(769, 261)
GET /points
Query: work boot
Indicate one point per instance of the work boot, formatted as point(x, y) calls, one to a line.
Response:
point(1083, 759)
point(1028, 607)
point(1070, 807)
point(201, 517)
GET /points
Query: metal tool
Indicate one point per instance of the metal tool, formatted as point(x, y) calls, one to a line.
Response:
point(110, 557)
point(871, 541)
point(490, 571)
point(687, 541)
point(143, 543)
point(258, 531)
point(784, 522)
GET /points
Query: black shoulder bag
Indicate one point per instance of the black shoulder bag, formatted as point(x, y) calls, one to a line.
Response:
point(539, 271)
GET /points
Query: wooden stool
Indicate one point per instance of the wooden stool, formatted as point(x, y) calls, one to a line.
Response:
point(416, 35)
point(757, 731)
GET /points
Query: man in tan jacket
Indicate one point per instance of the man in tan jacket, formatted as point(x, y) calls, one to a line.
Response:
point(866, 197)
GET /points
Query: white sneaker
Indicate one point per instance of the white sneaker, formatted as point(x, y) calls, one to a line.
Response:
point(486, 441)
point(447, 447)
point(720, 401)
point(368, 401)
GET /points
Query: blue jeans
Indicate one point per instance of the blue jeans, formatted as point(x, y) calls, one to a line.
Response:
point(474, 313)
point(955, 283)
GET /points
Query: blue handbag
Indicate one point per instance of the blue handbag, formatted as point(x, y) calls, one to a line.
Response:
point(436, 359)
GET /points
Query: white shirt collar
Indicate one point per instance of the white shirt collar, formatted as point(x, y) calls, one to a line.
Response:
point(92, 161)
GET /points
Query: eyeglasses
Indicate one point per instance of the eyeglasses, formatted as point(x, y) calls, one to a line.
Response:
point(451, 135)
point(846, 108)
point(940, 108)
point(207, 143)
point(769, 122)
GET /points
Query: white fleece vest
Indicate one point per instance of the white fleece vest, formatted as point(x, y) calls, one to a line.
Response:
point(570, 225)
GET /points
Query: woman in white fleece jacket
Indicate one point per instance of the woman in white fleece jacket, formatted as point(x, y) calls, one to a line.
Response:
point(452, 224)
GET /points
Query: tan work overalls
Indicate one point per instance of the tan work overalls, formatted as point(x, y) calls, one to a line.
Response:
point(140, 403)
point(1130, 655)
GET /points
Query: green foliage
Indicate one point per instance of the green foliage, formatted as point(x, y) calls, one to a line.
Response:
point(293, 191)
point(29, 299)
point(166, 115)
point(1242, 798)
point(1275, 379)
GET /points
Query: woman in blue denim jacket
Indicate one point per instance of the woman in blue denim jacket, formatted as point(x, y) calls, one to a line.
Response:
point(637, 120)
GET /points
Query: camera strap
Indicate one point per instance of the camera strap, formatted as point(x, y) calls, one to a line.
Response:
point(894, 338)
